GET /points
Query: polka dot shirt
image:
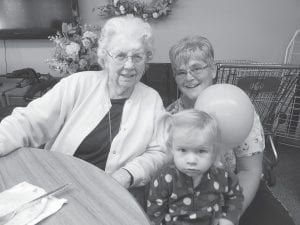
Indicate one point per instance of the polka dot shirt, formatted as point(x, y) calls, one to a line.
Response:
point(173, 199)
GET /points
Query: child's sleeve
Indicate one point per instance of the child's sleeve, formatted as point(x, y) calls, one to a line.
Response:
point(233, 197)
point(158, 199)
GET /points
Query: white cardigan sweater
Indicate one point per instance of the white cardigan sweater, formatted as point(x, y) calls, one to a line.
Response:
point(66, 114)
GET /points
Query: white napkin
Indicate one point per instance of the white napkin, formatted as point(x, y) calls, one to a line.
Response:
point(24, 192)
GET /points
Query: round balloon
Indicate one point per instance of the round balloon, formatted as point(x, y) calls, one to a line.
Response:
point(232, 109)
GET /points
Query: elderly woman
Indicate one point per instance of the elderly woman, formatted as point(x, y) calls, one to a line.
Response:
point(192, 60)
point(108, 118)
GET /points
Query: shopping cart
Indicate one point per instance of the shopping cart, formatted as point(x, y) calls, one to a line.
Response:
point(274, 92)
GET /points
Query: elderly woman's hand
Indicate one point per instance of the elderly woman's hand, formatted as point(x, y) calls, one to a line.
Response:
point(123, 177)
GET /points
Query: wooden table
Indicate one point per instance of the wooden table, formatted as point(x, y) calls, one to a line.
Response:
point(93, 197)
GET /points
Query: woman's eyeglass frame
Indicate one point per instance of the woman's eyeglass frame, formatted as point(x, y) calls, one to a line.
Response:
point(121, 58)
point(192, 71)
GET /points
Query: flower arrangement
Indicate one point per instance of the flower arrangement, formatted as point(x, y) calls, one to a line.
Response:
point(75, 48)
point(147, 10)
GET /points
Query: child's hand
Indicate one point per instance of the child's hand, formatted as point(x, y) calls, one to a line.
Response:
point(223, 221)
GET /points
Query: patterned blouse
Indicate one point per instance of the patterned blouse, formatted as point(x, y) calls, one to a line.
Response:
point(174, 200)
point(253, 144)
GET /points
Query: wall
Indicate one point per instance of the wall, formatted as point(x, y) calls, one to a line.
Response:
point(239, 29)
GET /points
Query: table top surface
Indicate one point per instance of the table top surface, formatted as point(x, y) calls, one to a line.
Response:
point(93, 197)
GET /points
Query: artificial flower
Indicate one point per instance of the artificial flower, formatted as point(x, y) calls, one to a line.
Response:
point(90, 34)
point(72, 49)
point(147, 10)
point(75, 48)
point(155, 15)
point(122, 9)
point(86, 43)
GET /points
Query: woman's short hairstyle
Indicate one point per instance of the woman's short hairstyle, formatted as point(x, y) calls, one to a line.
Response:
point(191, 47)
point(128, 26)
point(192, 121)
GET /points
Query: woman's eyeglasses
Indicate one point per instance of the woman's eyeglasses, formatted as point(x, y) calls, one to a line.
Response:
point(122, 57)
point(193, 71)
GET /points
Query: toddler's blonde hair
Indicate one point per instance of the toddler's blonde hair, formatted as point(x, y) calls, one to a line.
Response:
point(193, 120)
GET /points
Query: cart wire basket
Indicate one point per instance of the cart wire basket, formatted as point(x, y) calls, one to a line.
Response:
point(274, 90)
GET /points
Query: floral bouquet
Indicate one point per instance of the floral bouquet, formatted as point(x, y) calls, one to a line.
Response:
point(146, 9)
point(75, 48)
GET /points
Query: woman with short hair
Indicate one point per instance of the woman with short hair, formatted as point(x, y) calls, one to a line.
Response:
point(192, 60)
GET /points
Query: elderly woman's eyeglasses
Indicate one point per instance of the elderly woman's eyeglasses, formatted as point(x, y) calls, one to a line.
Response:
point(193, 71)
point(122, 57)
